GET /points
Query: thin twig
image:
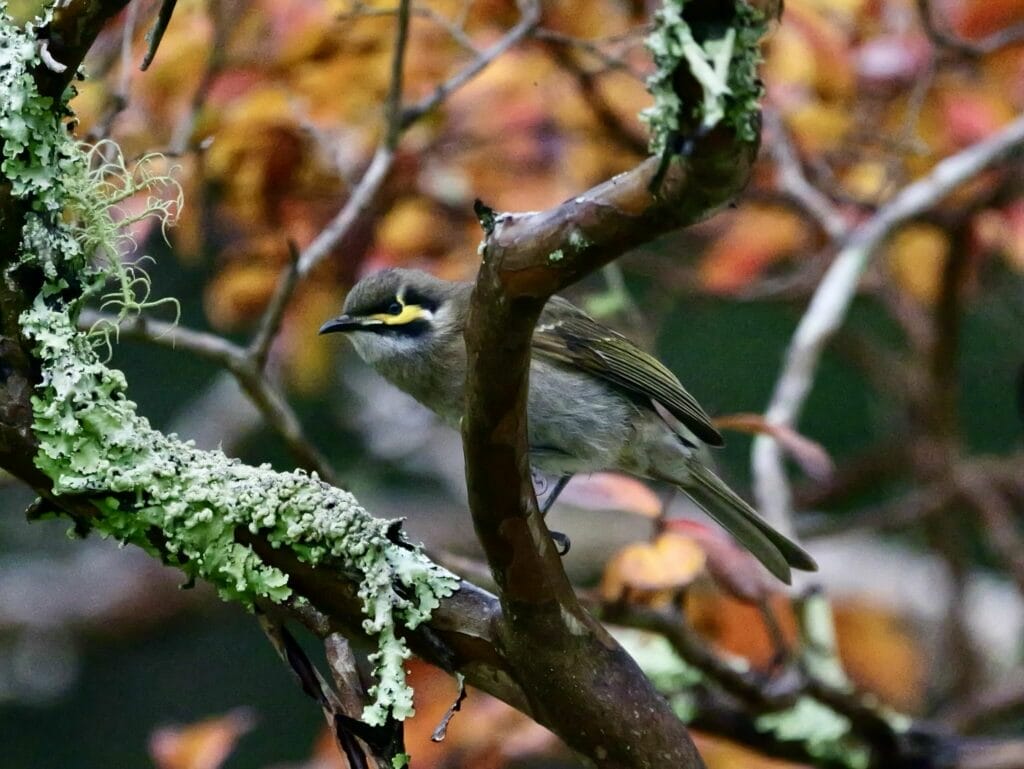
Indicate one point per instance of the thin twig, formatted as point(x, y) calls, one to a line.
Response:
point(999, 523)
point(833, 297)
point(369, 185)
point(393, 105)
point(241, 363)
point(119, 99)
point(527, 23)
point(794, 183)
point(183, 131)
point(156, 34)
point(355, 207)
point(593, 47)
point(453, 28)
point(270, 324)
point(606, 116)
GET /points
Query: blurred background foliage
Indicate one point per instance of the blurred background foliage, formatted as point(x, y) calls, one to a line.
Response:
point(270, 111)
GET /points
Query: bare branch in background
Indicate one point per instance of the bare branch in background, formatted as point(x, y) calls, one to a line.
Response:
point(270, 324)
point(398, 120)
point(833, 297)
point(794, 183)
point(530, 18)
point(243, 364)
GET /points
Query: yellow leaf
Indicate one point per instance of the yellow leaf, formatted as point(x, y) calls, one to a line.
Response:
point(672, 562)
point(239, 293)
point(819, 127)
point(868, 181)
point(916, 256)
point(412, 227)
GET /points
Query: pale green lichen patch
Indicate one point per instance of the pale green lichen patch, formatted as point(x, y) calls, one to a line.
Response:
point(153, 490)
point(724, 63)
point(578, 241)
point(659, 661)
point(556, 256)
point(166, 496)
point(825, 734)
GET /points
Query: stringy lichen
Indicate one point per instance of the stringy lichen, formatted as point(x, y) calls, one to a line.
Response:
point(153, 490)
point(724, 62)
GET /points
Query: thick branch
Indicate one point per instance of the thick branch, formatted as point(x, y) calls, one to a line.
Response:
point(575, 676)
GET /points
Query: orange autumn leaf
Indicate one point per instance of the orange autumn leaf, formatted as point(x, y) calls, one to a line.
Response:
point(829, 44)
point(413, 227)
point(737, 627)
point(484, 734)
point(671, 562)
point(203, 745)
point(977, 18)
point(732, 568)
point(719, 753)
point(758, 237)
point(310, 370)
point(1002, 231)
point(880, 653)
point(818, 126)
point(877, 649)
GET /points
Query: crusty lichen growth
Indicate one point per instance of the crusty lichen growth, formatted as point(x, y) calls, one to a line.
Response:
point(152, 490)
point(168, 497)
point(724, 63)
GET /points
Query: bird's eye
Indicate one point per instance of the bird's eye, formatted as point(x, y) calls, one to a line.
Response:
point(395, 308)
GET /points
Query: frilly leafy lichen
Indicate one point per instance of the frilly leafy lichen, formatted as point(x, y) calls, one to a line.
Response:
point(149, 489)
point(724, 63)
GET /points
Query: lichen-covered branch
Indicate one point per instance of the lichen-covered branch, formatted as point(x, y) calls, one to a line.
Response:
point(144, 488)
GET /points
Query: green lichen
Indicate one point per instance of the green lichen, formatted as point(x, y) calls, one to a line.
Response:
point(556, 256)
point(168, 497)
point(825, 734)
point(578, 241)
point(152, 490)
point(659, 661)
point(724, 63)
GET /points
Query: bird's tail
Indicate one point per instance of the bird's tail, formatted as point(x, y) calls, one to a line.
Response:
point(775, 551)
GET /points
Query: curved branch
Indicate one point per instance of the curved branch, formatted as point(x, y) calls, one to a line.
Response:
point(833, 297)
point(576, 678)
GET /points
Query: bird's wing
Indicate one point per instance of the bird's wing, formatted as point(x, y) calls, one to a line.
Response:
point(568, 335)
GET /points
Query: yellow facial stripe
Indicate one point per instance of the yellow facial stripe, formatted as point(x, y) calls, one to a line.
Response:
point(409, 313)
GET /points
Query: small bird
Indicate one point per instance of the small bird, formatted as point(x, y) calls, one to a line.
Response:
point(596, 400)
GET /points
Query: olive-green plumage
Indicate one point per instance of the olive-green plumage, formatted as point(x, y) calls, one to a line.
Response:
point(596, 401)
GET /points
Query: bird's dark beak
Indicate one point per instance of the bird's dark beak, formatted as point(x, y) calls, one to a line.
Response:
point(341, 323)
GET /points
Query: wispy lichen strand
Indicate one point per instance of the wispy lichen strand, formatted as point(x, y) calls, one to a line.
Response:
point(723, 62)
point(153, 490)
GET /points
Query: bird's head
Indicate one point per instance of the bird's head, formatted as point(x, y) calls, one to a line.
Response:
point(399, 312)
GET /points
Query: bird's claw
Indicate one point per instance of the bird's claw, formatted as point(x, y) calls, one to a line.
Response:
point(562, 543)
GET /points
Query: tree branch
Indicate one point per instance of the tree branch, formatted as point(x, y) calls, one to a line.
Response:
point(833, 297)
point(574, 675)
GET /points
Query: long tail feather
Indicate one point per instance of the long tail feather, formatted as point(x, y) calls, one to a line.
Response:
point(775, 551)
